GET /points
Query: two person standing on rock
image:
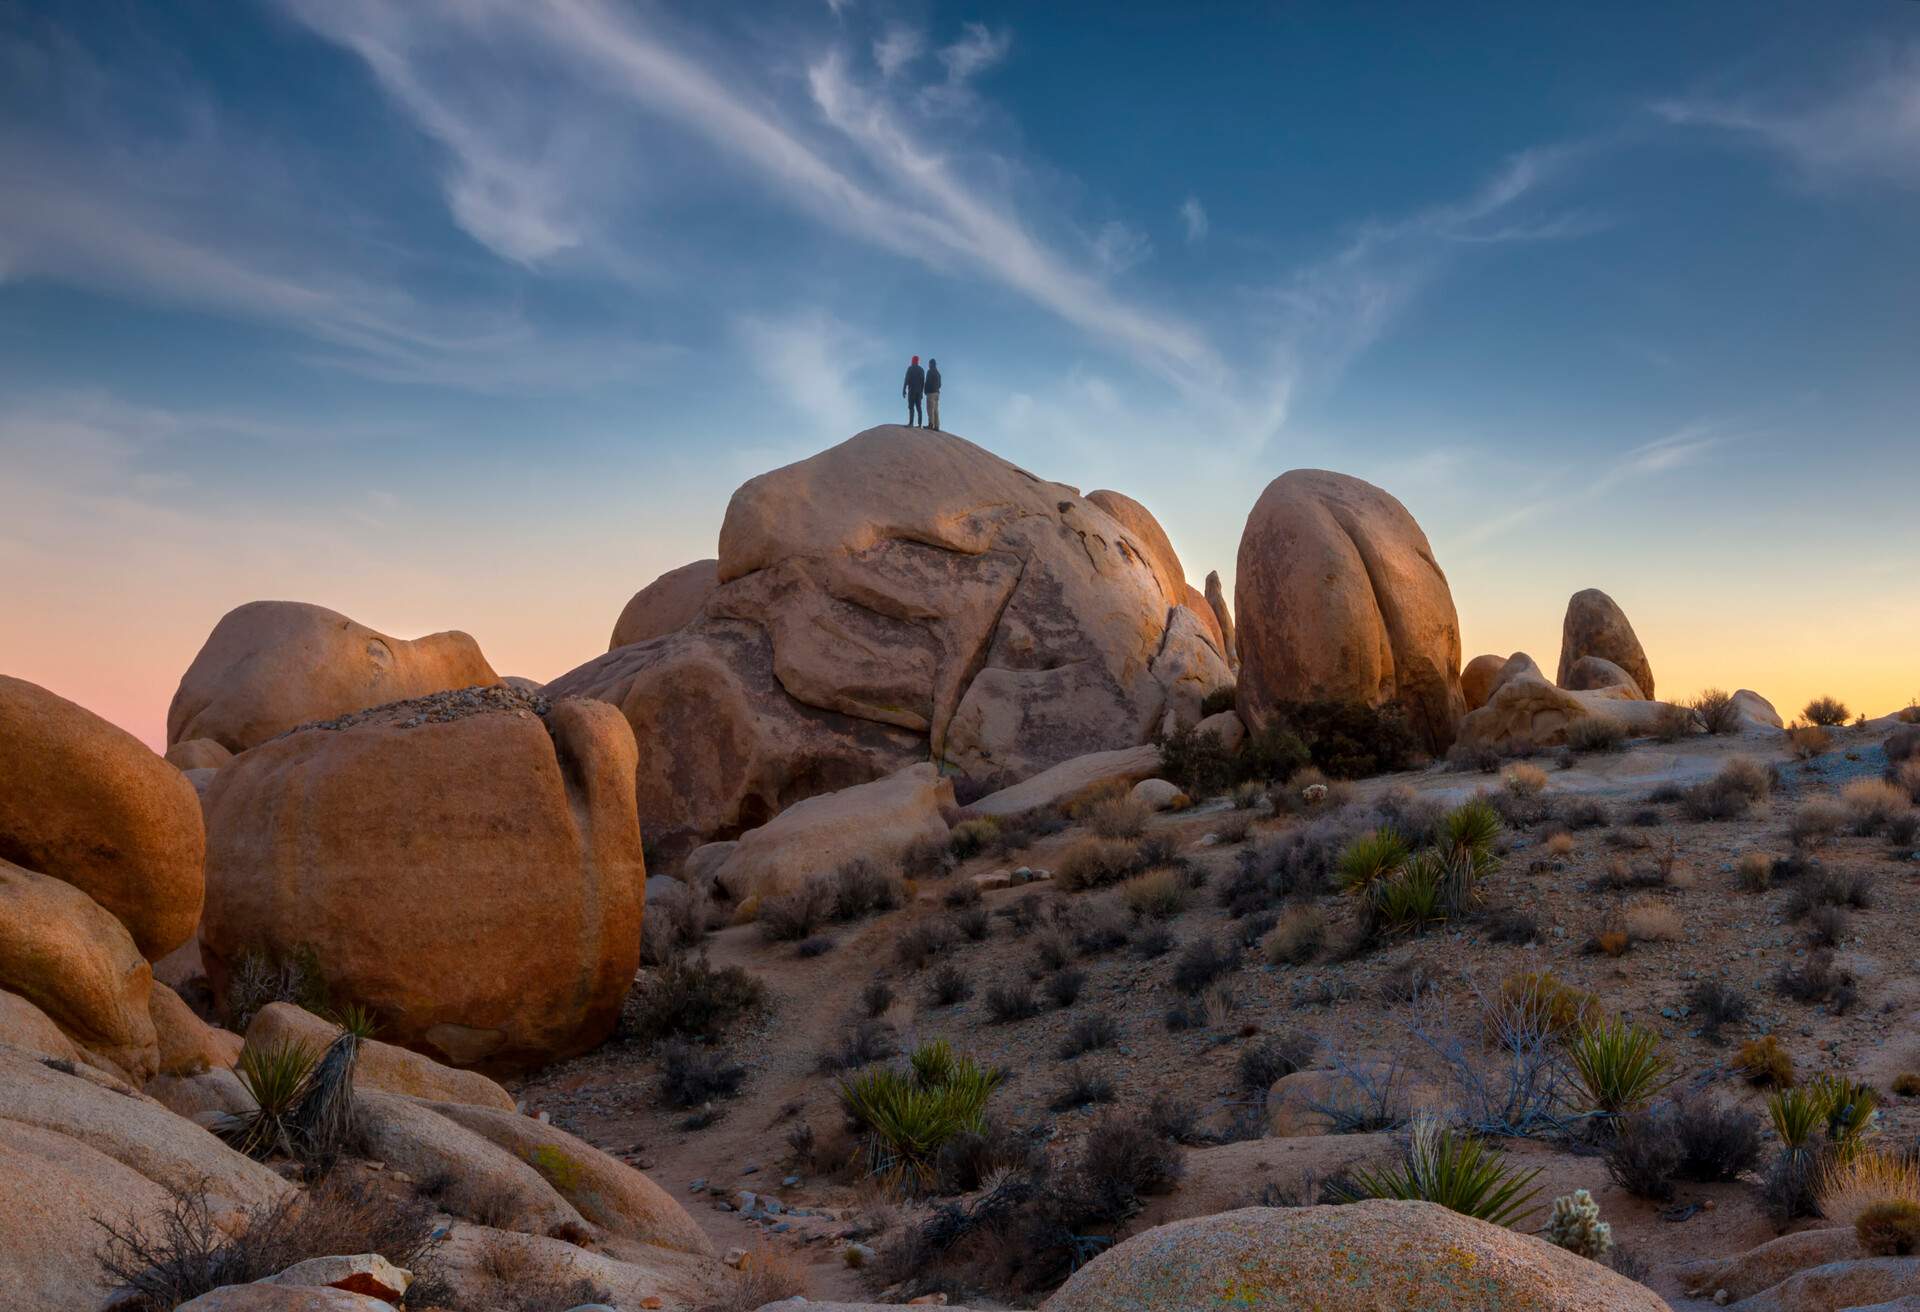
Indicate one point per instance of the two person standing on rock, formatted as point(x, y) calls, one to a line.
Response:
point(920, 381)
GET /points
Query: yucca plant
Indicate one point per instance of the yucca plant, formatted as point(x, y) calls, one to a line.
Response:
point(1454, 1170)
point(275, 1076)
point(1850, 1112)
point(1370, 859)
point(1619, 1066)
point(1412, 898)
point(354, 1018)
point(1464, 847)
point(909, 1115)
point(1792, 1185)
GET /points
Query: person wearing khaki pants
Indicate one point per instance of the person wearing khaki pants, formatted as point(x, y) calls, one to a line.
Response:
point(933, 393)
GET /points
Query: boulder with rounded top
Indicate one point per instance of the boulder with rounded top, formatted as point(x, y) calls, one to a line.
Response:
point(1478, 678)
point(466, 866)
point(816, 837)
point(1594, 672)
point(269, 666)
point(198, 754)
point(1338, 598)
point(666, 605)
point(1596, 626)
point(86, 802)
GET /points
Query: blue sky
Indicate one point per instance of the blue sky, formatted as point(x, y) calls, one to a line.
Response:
point(472, 314)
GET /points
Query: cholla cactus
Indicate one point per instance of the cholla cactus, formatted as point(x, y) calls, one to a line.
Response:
point(1576, 1225)
point(1314, 793)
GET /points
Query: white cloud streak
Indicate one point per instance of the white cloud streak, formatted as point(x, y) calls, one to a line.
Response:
point(1193, 217)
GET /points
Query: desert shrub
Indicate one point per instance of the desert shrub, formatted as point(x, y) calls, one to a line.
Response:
point(1609, 942)
point(1715, 712)
point(1152, 940)
point(1474, 758)
point(795, 914)
point(1826, 712)
point(1408, 981)
point(1094, 863)
point(1271, 1059)
point(1671, 723)
point(1011, 1000)
point(1791, 1190)
point(692, 1074)
point(971, 837)
point(1272, 752)
point(1872, 803)
point(1100, 928)
point(1063, 987)
point(1826, 927)
point(875, 997)
point(1583, 813)
point(908, 1116)
point(1903, 830)
point(188, 1250)
point(1890, 1228)
point(1523, 780)
point(1512, 925)
point(1089, 1033)
point(1618, 1066)
point(1597, 733)
point(1716, 1005)
point(974, 923)
point(1644, 1155)
point(1718, 1142)
point(926, 857)
point(1751, 872)
point(1557, 845)
point(1649, 921)
point(1198, 763)
point(817, 946)
point(860, 888)
point(1540, 1000)
point(868, 1041)
point(1118, 817)
point(260, 979)
point(1298, 937)
point(1817, 979)
point(1081, 1089)
point(919, 944)
point(1809, 741)
point(1157, 895)
point(1850, 1183)
point(1234, 828)
point(1907, 1084)
point(1248, 795)
point(1201, 962)
point(1763, 1061)
point(948, 986)
point(1220, 699)
point(276, 1077)
point(1125, 1159)
point(1349, 740)
point(767, 1275)
point(1439, 1165)
point(1816, 821)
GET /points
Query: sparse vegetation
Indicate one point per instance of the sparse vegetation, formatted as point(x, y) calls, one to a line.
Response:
point(1454, 1170)
point(1540, 1000)
point(1158, 895)
point(948, 986)
point(1298, 937)
point(1809, 741)
point(1095, 863)
point(1816, 821)
point(1763, 1061)
point(1717, 1005)
point(1118, 817)
point(1752, 871)
point(908, 1115)
point(1271, 1059)
point(1715, 712)
point(1011, 1000)
point(1872, 805)
point(1200, 963)
point(691, 1075)
point(1889, 1228)
point(1827, 712)
point(1089, 1033)
point(1597, 733)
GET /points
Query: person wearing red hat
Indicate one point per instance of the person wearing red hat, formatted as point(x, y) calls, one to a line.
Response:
point(911, 389)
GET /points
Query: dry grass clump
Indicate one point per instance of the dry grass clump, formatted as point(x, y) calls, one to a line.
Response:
point(1908, 778)
point(767, 1275)
point(1597, 733)
point(1872, 803)
point(1672, 723)
point(1763, 1061)
point(1541, 1000)
point(1907, 1084)
point(1817, 821)
point(1809, 741)
point(1740, 783)
point(1559, 846)
point(1298, 938)
point(971, 837)
point(1714, 711)
point(1850, 1185)
point(1826, 712)
point(1523, 780)
point(1118, 817)
point(1157, 895)
point(1078, 805)
point(1094, 863)
point(1753, 871)
point(1649, 921)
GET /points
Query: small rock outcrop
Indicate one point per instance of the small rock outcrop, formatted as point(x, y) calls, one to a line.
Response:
point(1592, 672)
point(1595, 626)
point(666, 605)
point(901, 597)
point(1223, 619)
point(271, 665)
point(816, 837)
point(467, 865)
point(86, 802)
point(1361, 1257)
point(1479, 677)
point(1338, 598)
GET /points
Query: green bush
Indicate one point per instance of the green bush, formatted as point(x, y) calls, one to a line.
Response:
point(1619, 1066)
point(1349, 740)
point(1826, 712)
point(1220, 699)
point(275, 1077)
point(908, 1116)
point(1454, 1170)
point(1403, 891)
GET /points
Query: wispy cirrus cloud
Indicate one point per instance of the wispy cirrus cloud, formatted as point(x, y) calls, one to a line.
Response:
point(1193, 218)
point(1864, 130)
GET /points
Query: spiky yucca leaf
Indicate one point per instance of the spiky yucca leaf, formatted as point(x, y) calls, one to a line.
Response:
point(1371, 858)
point(1454, 1170)
point(1619, 1065)
point(275, 1076)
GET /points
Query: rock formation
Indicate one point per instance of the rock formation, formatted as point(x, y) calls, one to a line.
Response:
point(901, 596)
point(270, 665)
point(88, 803)
point(1595, 626)
point(1354, 1258)
point(1223, 620)
point(819, 835)
point(1522, 707)
point(464, 865)
point(1591, 672)
point(666, 605)
point(1338, 598)
point(1478, 678)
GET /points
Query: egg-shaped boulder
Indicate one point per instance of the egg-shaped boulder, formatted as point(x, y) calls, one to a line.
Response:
point(86, 802)
point(467, 865)
point(666, 605)
point(1596, 626)
point(269, 666)
point(1338, 598)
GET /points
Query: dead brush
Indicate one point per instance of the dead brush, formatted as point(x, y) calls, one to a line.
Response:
point(1118, 817)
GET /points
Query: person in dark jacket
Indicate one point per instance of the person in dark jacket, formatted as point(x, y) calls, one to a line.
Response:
point(933, 394)
point(911, 389)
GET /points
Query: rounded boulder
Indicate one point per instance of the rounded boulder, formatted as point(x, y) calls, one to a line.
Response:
point(1596, 626)
point(269, 666)
point(666, 605)
point(468, 866)
point(86, 802)
point(1361, 1257)
point(1339, 598)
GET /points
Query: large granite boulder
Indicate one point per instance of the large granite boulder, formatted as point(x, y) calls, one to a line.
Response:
point(816, 837)
point(271, 665)
point(467, 866)
point(903, 596)
point(1338, 598)
point(88, 803)
point(1223, 619)
point(1593, 672)
point(1478, 678)
point(1595, 626)
point(1362, 1257)
point(62, 952)
point(666, 605)
point(1524, 708)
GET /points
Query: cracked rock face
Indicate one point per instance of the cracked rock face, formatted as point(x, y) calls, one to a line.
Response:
point(1338, 598)
point(905, 595)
